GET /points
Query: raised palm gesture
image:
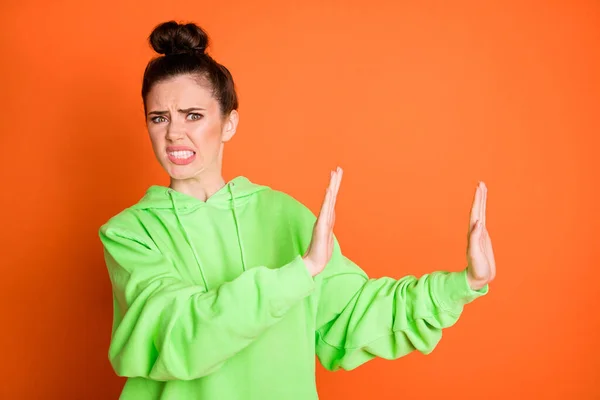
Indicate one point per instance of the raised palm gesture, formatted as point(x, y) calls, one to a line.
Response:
point(481, 266)
point(320, 248)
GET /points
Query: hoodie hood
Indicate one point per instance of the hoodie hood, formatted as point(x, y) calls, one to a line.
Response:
point(236, 191)
point(234, 194)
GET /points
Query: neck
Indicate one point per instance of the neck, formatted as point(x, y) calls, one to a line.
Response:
point(200, 188)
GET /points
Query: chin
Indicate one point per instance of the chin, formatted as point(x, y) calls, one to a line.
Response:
point(179, 175)
point(182, 172)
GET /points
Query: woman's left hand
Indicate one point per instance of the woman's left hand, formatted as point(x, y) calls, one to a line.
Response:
point(481, 266)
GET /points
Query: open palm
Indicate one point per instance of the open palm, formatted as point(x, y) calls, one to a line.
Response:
point(321, 244)
point(481, 266)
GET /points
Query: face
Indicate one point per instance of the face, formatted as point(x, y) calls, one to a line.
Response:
point(187, 128)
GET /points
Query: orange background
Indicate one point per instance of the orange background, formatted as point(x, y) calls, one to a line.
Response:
point(416, 100)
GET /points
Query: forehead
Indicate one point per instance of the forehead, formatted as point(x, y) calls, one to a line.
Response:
point(182, 92)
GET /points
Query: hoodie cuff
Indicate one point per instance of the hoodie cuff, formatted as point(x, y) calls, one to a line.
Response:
point(294, 283)
point(455, 291)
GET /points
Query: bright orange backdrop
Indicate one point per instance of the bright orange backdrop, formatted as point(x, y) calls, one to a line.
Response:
point(416, 100)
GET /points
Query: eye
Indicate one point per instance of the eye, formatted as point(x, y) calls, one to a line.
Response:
point(158, 120)
point(194, 116)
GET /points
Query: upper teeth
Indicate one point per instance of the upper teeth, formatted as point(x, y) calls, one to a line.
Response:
point(181, 154)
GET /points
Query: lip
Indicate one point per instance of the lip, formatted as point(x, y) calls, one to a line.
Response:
point(180, 148)
point(180, 161)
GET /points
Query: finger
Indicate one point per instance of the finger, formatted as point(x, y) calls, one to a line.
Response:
point(489, 251)
point(331, 198)
point(337, 183)
point(323, 229)
point(332, 219)
point(476, 233)
point(333, 186)
point(340, 174)
point(474, 210)
point(471, 240)
point(324, 207)
point(483, 203)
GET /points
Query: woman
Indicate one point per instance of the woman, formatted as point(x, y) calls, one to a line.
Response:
point(227, 290)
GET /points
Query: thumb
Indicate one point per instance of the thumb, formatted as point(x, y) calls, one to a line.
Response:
point(476, 232)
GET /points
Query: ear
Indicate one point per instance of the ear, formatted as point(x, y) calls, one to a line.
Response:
point(230, 126)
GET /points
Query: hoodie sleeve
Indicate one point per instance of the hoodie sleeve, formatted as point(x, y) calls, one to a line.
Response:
point(168, 329)
point(359, 318)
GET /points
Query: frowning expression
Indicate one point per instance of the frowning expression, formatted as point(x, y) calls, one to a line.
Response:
point(187, 128)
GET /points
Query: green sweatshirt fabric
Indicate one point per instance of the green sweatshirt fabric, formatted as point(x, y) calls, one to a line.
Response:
point(213, 301)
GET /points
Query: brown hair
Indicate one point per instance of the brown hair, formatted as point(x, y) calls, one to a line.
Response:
point(183, 53)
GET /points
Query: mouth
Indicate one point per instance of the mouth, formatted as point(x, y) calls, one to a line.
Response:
point(181, 156)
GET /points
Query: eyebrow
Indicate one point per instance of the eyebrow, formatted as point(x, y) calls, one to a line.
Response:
point(183, 111)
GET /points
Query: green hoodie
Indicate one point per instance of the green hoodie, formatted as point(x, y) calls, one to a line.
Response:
point(213, 301)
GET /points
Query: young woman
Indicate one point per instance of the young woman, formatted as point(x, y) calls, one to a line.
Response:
point(227, 290)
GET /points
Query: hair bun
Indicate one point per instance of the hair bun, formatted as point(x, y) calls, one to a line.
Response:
point(174, 38)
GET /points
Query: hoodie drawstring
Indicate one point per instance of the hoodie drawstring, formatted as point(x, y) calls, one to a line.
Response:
point(237, 226)
point(189, 242)
point(187, 238)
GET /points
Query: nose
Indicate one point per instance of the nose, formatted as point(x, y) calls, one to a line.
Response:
point(175, 132)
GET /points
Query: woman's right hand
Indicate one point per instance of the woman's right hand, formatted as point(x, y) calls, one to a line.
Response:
point(320, 248)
